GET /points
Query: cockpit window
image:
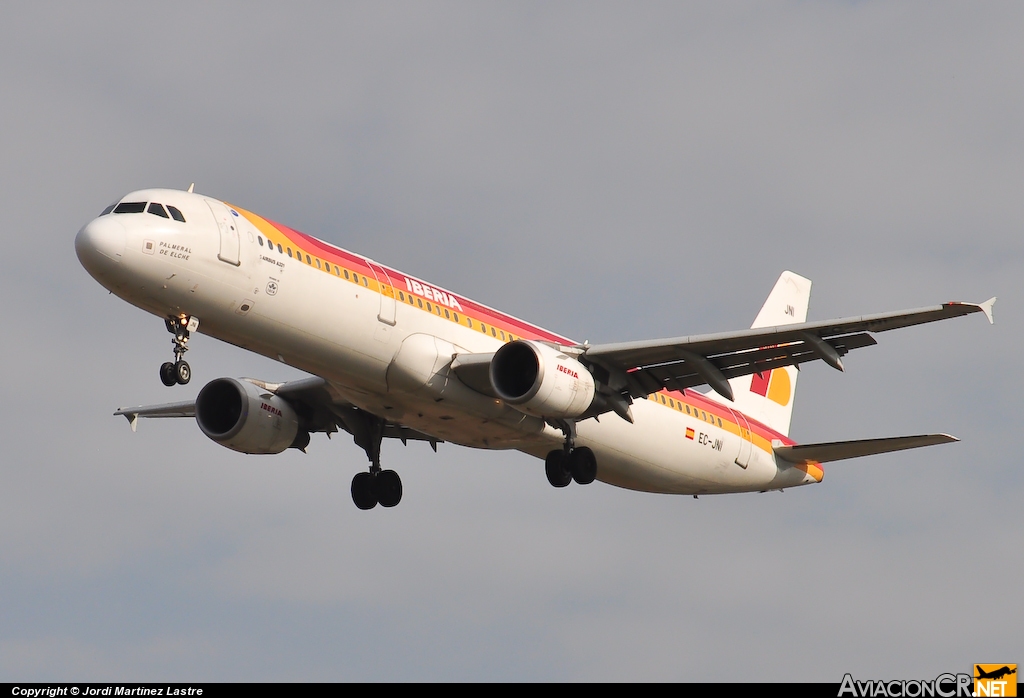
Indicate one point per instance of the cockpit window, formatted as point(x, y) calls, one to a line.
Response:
point(176, 214)
point(157, 210)
point(130, 207)
point(108, 209)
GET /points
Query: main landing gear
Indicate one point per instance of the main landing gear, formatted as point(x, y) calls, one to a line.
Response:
point(377, 486)
point(178, 372)
point(570, 463)
point(580, 465)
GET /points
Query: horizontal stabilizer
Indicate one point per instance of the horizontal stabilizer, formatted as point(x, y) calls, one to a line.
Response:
point(841, 450)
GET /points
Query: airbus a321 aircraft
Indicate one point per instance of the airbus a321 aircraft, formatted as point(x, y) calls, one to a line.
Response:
point(392, 356)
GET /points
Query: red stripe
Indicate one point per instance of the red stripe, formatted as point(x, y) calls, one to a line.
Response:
point(476, 310)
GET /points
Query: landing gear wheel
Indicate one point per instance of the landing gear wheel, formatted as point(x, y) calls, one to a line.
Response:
point(182, 372)
point(178, 372)
point(554, 468)
point(363, 491)
point(388, 487)
point(583, 465)
point(167, 375)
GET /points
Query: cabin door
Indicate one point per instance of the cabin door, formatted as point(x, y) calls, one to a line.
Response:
point(227, 225)
point(746, 446)
point(387, 293)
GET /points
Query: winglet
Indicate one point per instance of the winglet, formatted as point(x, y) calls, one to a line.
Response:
point(132, 417)
point(986, 308)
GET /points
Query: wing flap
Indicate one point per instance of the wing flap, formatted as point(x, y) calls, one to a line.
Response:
point(805, 454)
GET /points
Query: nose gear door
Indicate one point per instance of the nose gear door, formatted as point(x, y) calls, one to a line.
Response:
point(230, 243)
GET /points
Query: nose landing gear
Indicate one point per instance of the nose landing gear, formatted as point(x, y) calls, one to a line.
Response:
point(178, 372)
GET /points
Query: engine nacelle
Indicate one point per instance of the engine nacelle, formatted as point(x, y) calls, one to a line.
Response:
point(246, 418)
point(540, 380)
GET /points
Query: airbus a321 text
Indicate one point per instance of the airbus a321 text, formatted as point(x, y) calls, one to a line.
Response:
point(392, 356)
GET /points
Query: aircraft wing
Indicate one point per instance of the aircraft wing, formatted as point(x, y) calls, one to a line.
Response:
point(319, 405)
point(841, 450)
point(683, 362)
point(173, 409)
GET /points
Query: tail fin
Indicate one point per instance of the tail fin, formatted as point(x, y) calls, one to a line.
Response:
point(768, 397)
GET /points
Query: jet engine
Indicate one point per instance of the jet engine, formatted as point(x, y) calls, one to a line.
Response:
point(540, 380)
point(247, 418)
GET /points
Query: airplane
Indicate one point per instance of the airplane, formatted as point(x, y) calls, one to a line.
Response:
point(996, 673)
point(393, 356)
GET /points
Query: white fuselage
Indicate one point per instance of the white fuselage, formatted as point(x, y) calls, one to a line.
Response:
point(384, 341)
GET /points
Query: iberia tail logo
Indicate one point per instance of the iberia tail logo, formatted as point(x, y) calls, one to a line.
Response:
point(774, 385)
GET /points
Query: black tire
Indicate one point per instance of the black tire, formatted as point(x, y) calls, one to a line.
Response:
point(583, 465)
point(554, 468)
point(182, 372)
point(388, 487)
point(167, 375)
point(364, 493)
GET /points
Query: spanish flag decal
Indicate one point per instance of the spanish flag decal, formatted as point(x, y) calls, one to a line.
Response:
point(689, 433)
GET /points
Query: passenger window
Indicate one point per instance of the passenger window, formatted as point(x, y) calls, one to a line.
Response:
point(401, 296)
point(346, 274)
point(447, 314)
point(365, 282)
point(309, 261)
point(493, 333)
point(318, 264)
point(719, 421)
point(419, 302)
point(130, 207)
point(157, 210)
point(456, 317)
point(280, 249)
point(176, 214)
point(503, 336)
point(337, 272)
point(430, 308)
point(260, 238)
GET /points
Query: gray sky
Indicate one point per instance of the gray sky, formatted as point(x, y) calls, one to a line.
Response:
point(610, 171)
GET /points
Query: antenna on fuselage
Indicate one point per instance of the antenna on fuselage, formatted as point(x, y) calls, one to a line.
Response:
point(191, 187)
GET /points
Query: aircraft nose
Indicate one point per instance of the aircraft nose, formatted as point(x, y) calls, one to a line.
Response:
point(99, 242)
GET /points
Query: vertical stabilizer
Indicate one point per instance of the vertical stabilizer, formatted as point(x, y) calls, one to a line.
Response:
point(768, 397)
